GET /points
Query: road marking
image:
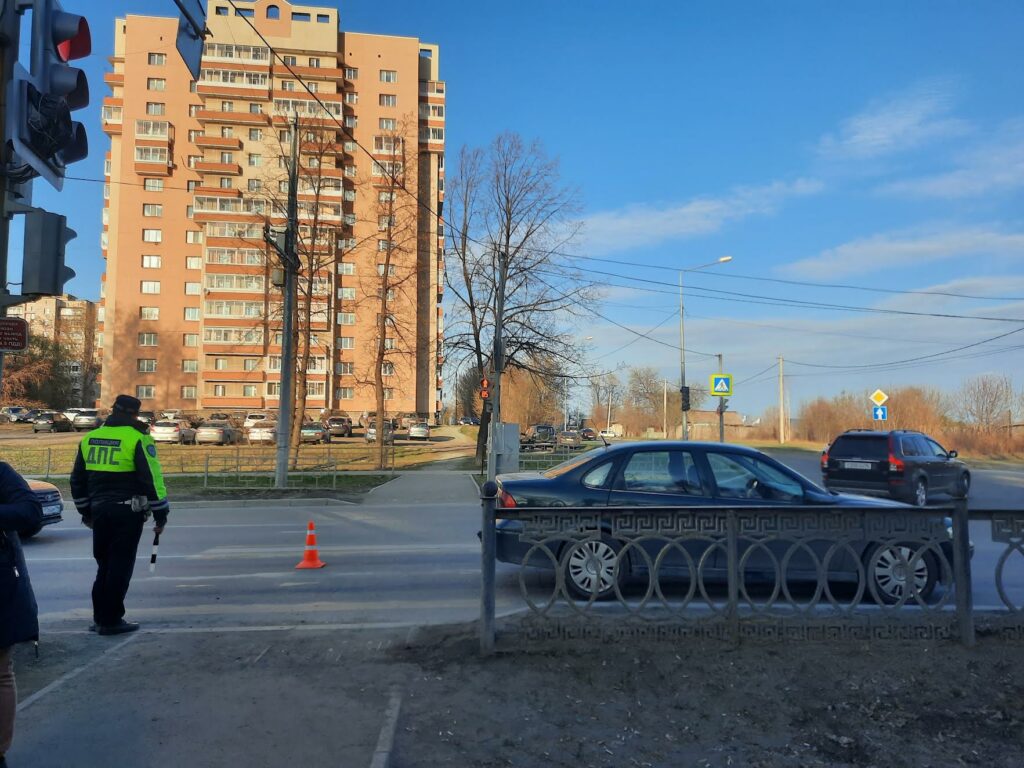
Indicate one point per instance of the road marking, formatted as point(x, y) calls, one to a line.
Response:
point(262, 654)
point(26, 703)
point(386, 739)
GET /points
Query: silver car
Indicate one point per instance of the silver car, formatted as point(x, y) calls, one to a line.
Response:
point(217, 433)
point(264, 433)
point(173, 431)
point(87, 418)
point(389, 433)
point(419, 431)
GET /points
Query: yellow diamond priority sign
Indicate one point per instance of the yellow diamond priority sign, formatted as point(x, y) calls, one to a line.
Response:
point(878, 397)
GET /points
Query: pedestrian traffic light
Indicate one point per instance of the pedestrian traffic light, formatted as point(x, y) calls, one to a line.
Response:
point(40, 102)
point(485, 388)
point(43, 272)
point(685, 392)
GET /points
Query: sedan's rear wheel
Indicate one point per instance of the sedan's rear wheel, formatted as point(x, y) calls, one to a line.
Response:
point(895, 576)
point(593, 566)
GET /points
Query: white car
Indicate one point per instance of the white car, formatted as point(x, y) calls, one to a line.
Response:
point(254, 419)
point(263, 433)
point(172, 431)
point(419, 431)
point(70, 413)
point(607, 434)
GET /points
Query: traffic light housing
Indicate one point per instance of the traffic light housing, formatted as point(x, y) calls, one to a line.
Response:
point(485, 389)
point(685, 392)
point(723, 404)
point(43, 272)
point(40, 102)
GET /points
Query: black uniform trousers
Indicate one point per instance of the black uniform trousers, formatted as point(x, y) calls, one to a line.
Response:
point(116, 531)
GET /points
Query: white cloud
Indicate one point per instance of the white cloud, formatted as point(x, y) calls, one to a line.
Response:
point(896, 124)
point(994, 167)
point(871, 255)
point(644, 225)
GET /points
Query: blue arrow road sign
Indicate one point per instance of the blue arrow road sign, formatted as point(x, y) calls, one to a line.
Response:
point(881, 412)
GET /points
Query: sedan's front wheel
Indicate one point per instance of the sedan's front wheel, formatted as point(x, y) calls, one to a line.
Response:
point(593, 566)
point(894, 576)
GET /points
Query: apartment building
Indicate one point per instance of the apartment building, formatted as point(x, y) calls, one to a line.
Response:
point(192, 305)
point(70, 322)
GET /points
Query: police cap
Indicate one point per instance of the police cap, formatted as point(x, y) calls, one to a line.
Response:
point(127, 404)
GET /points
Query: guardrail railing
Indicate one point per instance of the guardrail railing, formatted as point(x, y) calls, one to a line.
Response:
point(756, 571)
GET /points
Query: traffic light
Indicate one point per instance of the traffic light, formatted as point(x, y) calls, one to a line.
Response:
point(485, 388)
point(685, 392)
point(40, 102)
point(43, 272)
point(723, 404)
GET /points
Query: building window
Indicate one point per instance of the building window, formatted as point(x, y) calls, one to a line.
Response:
point(389, 393)
point(226, 182)
point(255, 134)
point(151, 262)
point(156, 84)
point(151, 286)
point(147, 313)
point(146, 365)
point(147, 339)
point(190, 185)
point(351, 97)
point(193, 289)
point(346, 268)
point(351, 121)
point(256, 108)
point(388, 76)
point(153, 185)
point(290, 61)
point(273, 12)
point(347, 293)
point(193, 236)
point(388, 100)
point(227, 106)
point(314, 62)
point(219, 390)
point(248, 390)
point(193, 262)
point(387, 369)
point(190, 340)
point(389, 343)
point(194, 109)
point(152, 236)
point(391, 270)
point(346, 318)
point(145, 391)
point(156, 108)
point(192, 313)
point(227, 157)
point(151, 154)
point(273, 389)
point(189, 392)
point(255, 161)
point(345, 393)
point(190, 366)
point(220, 364)
point(152, 209)
point(387, 123)
point(346, 342)
point(255, 185)
point(316, 388)
point(250, 364)
point(322, 18)
point(384, 223)
point(287, 85)
point(157, 59)
point(384, 245)
point(351, 73)
point(194, 134)
point(345, 369)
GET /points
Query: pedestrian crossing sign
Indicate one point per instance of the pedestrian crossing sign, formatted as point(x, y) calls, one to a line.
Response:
point(721, 385)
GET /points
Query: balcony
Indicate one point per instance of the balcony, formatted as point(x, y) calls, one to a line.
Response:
point(153, 167)
point(218, 142)
point(220, 169)
point(218, 191)
point(114, 79)
point(234, 118)
point(232, 91)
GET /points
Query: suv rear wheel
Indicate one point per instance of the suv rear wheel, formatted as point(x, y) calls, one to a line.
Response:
point(920, 492)
point(963, 486)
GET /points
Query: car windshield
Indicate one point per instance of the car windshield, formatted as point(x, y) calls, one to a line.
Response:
point(172, 424)
point(218, 424)
point(575, 461)
point(87, 413)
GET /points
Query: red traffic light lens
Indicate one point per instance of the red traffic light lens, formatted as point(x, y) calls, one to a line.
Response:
point(72, 37)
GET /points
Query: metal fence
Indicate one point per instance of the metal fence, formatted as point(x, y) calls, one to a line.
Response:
point(224, 474)
point(755, 572)
point(57, 461)
point(538, 461)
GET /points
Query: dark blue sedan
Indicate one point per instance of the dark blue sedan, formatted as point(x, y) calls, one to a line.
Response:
point(667, 474)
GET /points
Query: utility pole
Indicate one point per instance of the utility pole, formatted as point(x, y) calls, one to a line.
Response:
point(682, 359)
point(664, 407)
point(608, 427)
point(10, 30)
point(721, 406)
point(286, 399)
point(498, 363)
point(782, 405)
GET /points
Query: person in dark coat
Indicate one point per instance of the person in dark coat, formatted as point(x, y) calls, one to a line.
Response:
point(19, 623)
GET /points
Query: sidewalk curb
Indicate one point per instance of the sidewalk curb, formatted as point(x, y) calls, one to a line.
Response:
point(227, 503)
point(386, 740)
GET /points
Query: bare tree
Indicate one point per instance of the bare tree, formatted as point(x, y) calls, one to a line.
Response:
point(510, 200)
point(985, 400)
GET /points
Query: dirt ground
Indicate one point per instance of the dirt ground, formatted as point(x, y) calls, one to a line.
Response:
point(702, 703)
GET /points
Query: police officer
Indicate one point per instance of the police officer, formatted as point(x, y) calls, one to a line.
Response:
point(116, 482)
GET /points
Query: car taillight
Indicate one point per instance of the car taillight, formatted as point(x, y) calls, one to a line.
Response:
point(824, 460)
point(505, 500)
point(895, 465)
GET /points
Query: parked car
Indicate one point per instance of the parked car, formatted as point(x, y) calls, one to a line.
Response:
point(607, 434)
point(11, 412)
point(51, 421)
point(265, 432)
point(252, 419)
point(217, 433)
point(419, 431)
point(568, 439)
point(389, 433)
point(339, 426)
point(469, 421)
point(901, 464)
point(173, 431)
point(86, 419)
point(588, 434)
point(27, 416)
point(687, 473)
point(53, 506)
point(314, 432)
point(70, 413)
point(146, 417)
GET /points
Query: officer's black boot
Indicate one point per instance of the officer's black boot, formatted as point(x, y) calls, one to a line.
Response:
point(122, 627)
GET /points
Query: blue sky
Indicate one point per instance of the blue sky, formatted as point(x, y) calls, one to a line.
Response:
point(877, 143)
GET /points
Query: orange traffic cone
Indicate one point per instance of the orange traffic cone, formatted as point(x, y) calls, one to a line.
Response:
point(311, 558)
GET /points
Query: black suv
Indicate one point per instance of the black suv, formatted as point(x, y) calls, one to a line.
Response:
point(908, 466)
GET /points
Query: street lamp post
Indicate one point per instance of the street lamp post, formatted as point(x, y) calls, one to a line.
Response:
point(682, 337)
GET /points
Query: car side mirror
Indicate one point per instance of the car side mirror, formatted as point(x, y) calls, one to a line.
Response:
point(952, 454)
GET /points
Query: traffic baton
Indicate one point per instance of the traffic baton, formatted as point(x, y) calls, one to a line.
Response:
point(152, 557)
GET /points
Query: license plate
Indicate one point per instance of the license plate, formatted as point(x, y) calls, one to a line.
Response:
point(52, 509)
point(856, 465)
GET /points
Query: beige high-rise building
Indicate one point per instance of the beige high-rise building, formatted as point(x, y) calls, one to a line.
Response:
point(197, 170)
point(70, 322)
